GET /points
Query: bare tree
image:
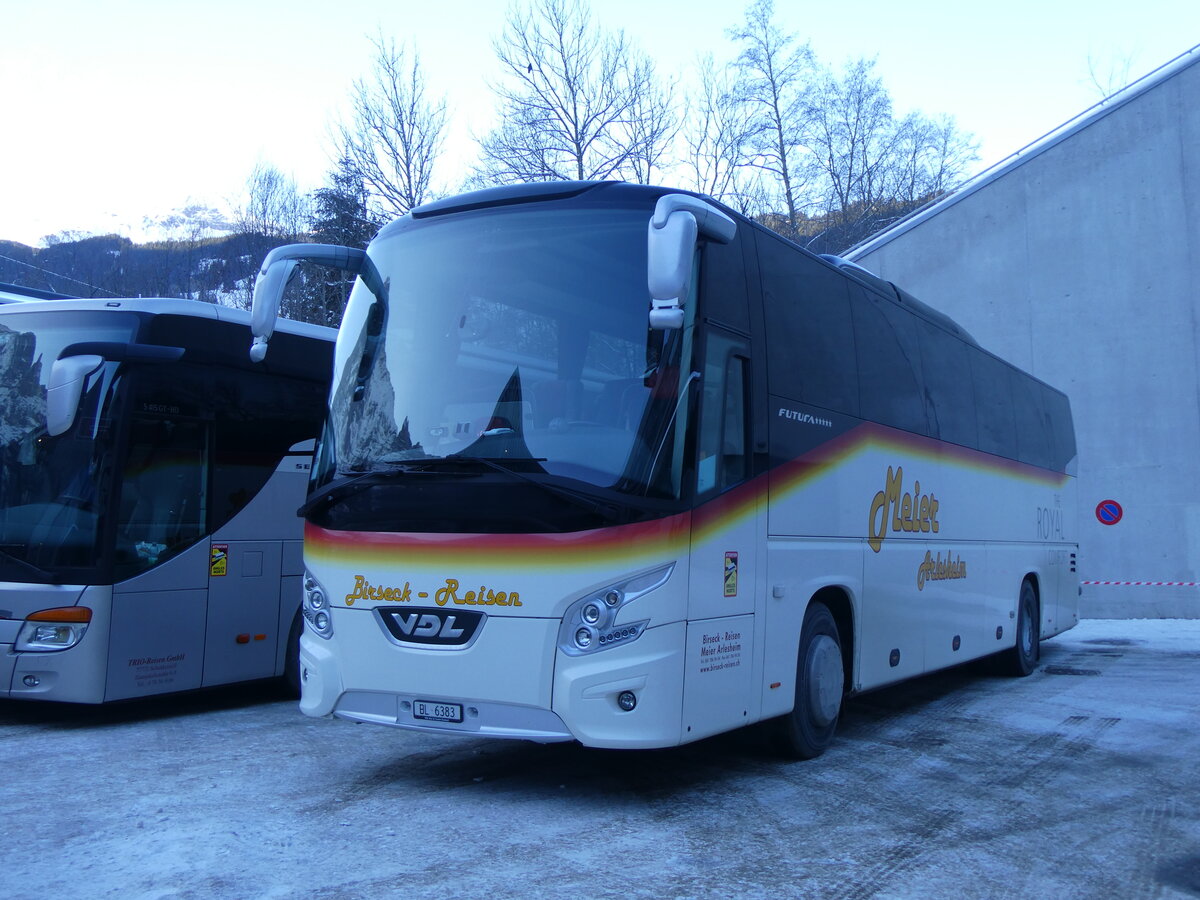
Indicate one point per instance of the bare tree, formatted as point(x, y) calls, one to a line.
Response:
point(931, 156)
point(396, 131)
point(852, 138)
point(872, 168)
point(772, 77)
point(1108, 78)
point(716, 141)
point(569, 98)
point(651, 125)
point(274, 208)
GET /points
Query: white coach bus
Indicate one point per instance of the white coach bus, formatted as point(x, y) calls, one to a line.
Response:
point(149, 481)
point(578, 483)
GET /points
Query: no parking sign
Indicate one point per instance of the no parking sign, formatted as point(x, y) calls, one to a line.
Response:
point(1109, 512)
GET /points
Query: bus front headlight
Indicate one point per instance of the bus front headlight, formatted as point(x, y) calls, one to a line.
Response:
point(590, 623)
point(53, 629)
point(316, 607)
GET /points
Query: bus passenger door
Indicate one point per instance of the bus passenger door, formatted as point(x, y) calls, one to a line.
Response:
point(726, 526)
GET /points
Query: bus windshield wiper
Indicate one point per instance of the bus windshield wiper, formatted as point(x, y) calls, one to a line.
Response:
point(608, 510)
point(357, 480)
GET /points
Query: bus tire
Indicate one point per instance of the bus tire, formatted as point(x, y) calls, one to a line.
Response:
point(1022, 658)
point(808, 729)
point(291, 661)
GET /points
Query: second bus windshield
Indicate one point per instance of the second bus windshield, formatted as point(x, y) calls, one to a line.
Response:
point(517, 335)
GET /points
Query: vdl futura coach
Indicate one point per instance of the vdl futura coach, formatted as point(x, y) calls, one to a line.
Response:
point(577, 483)
point(149, 480)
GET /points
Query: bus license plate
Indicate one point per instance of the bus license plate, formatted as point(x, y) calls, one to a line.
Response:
point(437, 712)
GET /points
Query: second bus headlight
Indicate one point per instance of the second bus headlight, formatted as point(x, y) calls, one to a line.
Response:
point(590, 624)
point(316, 607)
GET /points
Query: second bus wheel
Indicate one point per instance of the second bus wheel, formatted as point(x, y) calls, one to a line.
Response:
point(1023, 658)
point(808, 729)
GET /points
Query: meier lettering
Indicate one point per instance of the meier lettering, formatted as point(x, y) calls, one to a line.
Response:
point(908, 512)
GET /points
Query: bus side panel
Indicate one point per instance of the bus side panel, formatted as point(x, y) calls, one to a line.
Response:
point(718, 679)
point(157, 637)
point(243, 627)
point(797, 568)
point(157, 643)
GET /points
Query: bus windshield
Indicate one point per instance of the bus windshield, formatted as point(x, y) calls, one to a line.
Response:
point(52, 489)
point(518, 337)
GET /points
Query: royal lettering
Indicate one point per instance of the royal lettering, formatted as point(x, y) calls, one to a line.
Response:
point(892, 510)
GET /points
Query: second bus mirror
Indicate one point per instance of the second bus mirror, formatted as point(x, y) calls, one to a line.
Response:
point(67, 378)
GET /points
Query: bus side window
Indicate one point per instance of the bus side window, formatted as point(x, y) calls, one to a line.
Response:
point(997, 425)
point(946, 367)
point(163, 497)
point(809, 335)
point(724, 460)
point(891, 390)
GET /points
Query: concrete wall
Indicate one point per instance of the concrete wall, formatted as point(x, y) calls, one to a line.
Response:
point(1080, 262)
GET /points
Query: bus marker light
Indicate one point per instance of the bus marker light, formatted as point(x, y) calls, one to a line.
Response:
point(260, 637)
point(61, 614)
point(243, 638)
point(775, 685)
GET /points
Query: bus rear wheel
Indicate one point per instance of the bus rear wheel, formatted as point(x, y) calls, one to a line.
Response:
point(1023, 658)
point(808, 729)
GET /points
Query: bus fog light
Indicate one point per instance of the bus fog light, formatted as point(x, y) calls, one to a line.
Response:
point(31, 681)
point(321, 621)
point(627, 700)
point(583, 638)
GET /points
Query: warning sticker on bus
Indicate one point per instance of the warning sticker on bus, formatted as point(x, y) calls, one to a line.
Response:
point(218, 560)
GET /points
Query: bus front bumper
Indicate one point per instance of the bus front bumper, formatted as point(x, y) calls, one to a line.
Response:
point(522, 688)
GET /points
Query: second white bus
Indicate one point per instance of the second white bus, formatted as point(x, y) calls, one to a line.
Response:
point(610, 463)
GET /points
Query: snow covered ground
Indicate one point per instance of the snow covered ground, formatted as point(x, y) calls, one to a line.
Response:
point(1081, 781)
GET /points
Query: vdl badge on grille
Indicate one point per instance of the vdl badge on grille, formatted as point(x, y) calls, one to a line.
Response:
point(432, 628)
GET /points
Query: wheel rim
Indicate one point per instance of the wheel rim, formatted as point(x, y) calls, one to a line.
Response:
point(1026, 625)
point(824, 680)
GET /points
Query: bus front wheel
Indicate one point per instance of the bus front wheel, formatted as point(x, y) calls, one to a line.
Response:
point(808, 729)
point(1023, 658)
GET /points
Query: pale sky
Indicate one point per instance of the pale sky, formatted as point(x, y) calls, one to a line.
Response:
point(117, 109)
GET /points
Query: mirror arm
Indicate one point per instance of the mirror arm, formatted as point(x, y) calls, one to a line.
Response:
point(277, 269)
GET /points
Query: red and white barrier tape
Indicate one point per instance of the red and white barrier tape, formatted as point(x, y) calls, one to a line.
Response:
point(1148, 583)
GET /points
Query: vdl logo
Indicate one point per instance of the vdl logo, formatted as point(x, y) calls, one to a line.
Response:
point(432, 629)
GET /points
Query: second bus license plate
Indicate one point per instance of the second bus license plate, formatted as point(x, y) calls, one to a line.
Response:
point(437, 712)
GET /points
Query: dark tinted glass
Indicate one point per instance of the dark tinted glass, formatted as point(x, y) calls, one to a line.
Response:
point(1034, 434)
point(810, 339)
point(994, 405)
point(946, 368)
point(889, 364)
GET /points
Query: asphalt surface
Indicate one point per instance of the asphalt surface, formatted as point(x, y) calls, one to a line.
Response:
point(1081, 780)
